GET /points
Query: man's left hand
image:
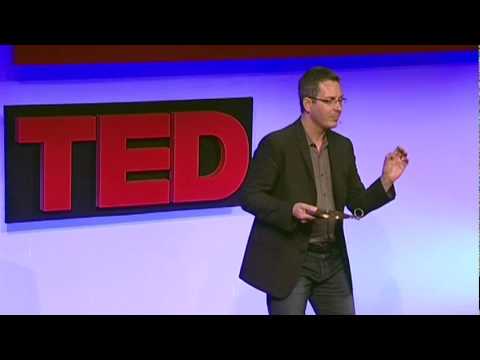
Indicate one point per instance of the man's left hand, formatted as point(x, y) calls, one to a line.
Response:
point(394, 165)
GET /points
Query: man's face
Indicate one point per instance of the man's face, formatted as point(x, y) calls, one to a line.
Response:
point(323, 113)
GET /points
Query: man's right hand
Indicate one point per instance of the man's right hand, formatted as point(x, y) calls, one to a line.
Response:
point(303, 212)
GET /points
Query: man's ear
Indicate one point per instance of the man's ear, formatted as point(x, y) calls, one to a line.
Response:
point(307, 104)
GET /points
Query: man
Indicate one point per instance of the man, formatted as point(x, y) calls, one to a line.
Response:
point(297, 174)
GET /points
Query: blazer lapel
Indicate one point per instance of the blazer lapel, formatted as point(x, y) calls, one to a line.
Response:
point(302, 145)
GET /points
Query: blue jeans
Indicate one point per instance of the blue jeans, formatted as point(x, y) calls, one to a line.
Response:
point(323, 282)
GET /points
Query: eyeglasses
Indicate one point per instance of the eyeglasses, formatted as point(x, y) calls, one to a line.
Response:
point(330, 102)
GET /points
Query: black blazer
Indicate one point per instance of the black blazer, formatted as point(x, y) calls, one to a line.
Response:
point(281, 174)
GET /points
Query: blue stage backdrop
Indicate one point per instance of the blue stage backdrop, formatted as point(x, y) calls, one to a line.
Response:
point(417, 255)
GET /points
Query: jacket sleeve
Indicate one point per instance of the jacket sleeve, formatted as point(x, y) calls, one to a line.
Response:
point(366, 199)
point(265, 169)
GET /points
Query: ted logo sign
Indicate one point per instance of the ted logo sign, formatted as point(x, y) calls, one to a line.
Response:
point(65, 161)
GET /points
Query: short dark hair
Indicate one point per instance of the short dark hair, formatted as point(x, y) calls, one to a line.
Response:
point(308, 84)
